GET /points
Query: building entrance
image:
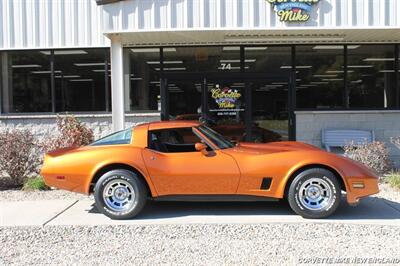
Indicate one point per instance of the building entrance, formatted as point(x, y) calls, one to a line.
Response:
point(242, 107)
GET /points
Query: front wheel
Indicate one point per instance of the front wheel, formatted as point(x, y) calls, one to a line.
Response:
point(120, 194)
point(314, 193)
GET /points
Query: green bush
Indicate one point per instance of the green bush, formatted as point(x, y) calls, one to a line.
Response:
point(393, 179)
point(35, 183)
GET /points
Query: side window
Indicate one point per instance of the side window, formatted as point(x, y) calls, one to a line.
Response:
point(173, 140)
point(120, 137)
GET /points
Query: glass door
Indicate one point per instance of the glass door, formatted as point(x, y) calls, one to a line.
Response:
point(269, 110)
point(225, 110)
point(245, 108)
point(184, 98)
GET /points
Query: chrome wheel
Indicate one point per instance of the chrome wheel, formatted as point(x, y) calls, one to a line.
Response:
point(119, 195)
point(316, 194)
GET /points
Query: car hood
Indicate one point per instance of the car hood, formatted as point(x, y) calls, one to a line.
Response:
point(273, 147)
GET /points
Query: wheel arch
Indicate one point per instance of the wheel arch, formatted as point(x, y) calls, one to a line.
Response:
point(302, 168)
point(114, 166)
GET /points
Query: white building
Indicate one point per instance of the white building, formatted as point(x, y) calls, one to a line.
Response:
point(335, 66)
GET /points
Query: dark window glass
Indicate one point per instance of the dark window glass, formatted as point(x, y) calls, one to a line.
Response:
point(398, 76)
point(202, 59)
point(143, 77)
point(80, 79)
point(226, 103)
point(1, 83)
point(173, 140)
point(320, 76)
point(271, 60)
point(29, 81)
point(269, 92)
point(371, 77)
point(185, 98)
point(120, 137)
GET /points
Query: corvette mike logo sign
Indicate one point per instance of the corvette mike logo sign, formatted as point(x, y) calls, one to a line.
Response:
point(226, 97)
point(293, 10)
point(227, 100)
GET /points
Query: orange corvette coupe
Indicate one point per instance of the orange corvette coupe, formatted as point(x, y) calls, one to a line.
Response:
point(187, 161)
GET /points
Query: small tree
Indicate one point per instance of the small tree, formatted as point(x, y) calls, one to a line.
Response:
point(18, 156)
point(374, 155)
point(70, 133)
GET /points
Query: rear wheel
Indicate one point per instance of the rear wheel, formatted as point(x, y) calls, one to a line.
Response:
point(120, 194)
point(314, 193)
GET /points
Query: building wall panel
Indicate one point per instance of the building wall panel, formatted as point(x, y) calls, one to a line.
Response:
point(30, 24)
point(248, 14)
point(36, 24)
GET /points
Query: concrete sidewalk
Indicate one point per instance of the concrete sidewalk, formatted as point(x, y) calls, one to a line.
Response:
point(372, 210)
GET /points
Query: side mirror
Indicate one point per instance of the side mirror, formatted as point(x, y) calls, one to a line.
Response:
point(201, 147)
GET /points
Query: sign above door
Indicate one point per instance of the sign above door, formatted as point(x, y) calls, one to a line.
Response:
point(293, 10)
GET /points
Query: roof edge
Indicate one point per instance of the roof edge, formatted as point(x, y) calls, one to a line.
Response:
point(105, 2)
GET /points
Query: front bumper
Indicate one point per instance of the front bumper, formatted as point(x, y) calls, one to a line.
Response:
point(358, 188)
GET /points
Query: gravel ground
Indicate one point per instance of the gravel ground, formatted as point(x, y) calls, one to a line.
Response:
point(270, 244)
point(235, 244)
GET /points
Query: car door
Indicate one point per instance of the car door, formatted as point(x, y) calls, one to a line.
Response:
point(190, 172)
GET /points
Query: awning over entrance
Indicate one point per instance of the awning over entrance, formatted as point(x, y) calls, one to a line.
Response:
point(287, 36)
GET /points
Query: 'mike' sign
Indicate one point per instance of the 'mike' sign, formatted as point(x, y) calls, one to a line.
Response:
point(293, 10)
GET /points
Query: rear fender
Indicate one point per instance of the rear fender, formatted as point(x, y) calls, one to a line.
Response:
point(141, 170)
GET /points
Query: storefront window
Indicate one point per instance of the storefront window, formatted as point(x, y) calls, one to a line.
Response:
point(184, 96)
point(398, 76)
point(80, 79)
point(202, 59)
point(371, 76)
point(269, 91)
point(184, 90)
point(226, 103)
point(28, 78)
point(1, 84)
point(320, 76)
point(144, 80)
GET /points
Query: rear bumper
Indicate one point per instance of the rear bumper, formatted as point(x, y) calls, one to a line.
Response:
point(355, 191)
point(63, 182)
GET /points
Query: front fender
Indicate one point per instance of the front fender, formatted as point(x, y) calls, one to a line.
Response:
point(348, 170)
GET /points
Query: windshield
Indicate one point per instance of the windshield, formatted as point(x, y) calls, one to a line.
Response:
point(216, 138)
point(120, 137)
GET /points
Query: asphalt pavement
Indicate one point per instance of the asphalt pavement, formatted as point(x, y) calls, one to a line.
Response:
point(372, 210)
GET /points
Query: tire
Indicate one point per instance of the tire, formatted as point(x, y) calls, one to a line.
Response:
point(120, 194)
point(314, 193)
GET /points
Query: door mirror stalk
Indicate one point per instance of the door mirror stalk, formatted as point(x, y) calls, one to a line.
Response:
point(202, 148)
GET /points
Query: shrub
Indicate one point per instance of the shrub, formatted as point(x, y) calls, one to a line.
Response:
point(35, 183)
point(393, 179)
point(70, 133)
point(18, 157)
point(374, 155)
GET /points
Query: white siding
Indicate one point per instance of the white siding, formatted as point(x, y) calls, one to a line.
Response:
point(30, 24)
point(139, 15)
